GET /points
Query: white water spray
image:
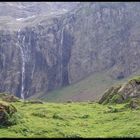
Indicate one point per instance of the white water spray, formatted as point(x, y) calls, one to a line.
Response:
point(61, 43)
point(23, 66)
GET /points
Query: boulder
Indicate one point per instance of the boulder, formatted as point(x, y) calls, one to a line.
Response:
point(6, 112)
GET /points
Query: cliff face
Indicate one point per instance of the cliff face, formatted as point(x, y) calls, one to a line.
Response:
point(26, 9)
point(106, 38)
point(63, 49)
point(35, 59)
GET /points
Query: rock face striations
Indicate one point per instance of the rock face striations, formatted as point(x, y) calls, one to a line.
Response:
point(122, 93)
point(46, 52)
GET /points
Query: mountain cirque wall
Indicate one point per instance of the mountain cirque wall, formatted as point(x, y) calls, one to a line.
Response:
point(35, 59)
point(61, 50)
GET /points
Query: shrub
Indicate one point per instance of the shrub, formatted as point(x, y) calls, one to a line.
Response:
point(112, 109)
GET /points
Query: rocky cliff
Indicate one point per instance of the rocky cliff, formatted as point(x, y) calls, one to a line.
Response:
point(47, 52)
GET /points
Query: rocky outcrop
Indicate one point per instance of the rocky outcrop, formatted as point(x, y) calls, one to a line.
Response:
point(8, 98)
point(46, 53)
point(123, 93)
point(106, 40)
point(111, 95)
point(6, 112)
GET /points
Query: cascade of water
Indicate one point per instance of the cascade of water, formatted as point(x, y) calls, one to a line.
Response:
point(32, 74)
point(4, 58)
point(62, 36)
point(33, 71)
point(23, 66)
point(61, 50)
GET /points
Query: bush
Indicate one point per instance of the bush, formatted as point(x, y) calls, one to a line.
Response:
point(14, 119)
point(112, 110)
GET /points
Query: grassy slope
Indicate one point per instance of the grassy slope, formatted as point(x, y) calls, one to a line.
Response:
point(73, 120)
point(91, 88)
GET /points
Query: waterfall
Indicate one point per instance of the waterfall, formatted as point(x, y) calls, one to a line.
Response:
point(23, 66)
point(61, 50)
point(62, 36)
point(33, 71)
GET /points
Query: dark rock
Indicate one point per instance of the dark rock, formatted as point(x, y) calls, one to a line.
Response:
point(111, 95)
point(62, 49)
point(134, 104)
point(124, 93)
point(6, 112)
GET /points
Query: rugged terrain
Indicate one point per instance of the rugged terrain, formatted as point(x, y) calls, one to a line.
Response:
point(49, 51)
point(123, 92)
point(81, 55)
point(72, 120)
point(109, 118)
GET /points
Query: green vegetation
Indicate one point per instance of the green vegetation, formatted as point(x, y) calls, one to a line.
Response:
point(8, 114)
point(70, 119)
point(85, 119)
point(116, 98)
point(90, 88)
point(136, 78)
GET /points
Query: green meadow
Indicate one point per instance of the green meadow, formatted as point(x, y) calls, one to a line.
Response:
point(64, 120)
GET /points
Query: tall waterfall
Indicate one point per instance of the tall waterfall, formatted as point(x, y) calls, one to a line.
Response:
point(61, 49)
point(23, 67)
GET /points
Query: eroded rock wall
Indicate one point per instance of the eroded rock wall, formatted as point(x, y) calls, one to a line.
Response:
point(64, 49)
